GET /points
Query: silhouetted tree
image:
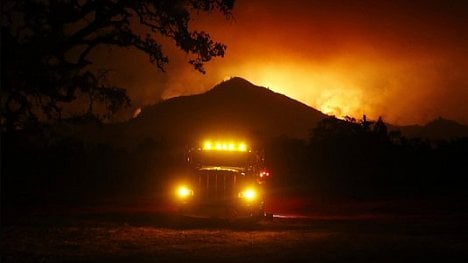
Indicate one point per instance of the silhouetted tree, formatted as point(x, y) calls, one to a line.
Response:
point(380, 129)
point(365, 123)
point(46, 45)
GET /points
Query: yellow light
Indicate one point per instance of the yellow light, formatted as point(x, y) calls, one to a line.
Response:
point(242, 147)
point(219, 146)
point(184, 192)
point(249, 194)
point(207, 146)
point(224, 146)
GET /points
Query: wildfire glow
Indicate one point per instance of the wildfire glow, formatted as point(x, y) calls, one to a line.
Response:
point(344, 58)
point(332, 91)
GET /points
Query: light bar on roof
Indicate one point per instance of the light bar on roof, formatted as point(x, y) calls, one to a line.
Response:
point(230, 146)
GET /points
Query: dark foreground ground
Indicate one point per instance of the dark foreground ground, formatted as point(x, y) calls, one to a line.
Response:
point(54, 234)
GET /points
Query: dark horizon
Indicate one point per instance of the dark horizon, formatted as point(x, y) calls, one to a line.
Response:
point(119, 141)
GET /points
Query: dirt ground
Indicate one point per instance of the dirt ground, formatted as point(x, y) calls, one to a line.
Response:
point(126, 235)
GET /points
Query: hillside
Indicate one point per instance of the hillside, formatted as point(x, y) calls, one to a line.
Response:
point(234, 107)
point(437, 129)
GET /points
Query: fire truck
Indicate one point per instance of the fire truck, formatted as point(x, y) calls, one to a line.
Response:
point(226, 180)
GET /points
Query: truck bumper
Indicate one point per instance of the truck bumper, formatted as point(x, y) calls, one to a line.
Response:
point(222, 211)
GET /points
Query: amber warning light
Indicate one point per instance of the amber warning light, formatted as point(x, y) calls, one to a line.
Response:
point(224, 146)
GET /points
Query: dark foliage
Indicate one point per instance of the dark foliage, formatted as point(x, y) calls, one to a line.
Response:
point(46, 46)
point(362, 159)
point(48, 167)
point(343, 159)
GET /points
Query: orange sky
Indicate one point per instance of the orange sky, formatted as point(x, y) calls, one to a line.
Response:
point(407, 62)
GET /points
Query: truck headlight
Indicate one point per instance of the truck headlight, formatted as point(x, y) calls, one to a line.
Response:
point(184, 192)
point(248, 194)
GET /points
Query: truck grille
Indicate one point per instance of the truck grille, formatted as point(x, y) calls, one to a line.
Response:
point(216, 186)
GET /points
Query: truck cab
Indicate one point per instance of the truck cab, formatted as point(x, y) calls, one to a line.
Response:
point(226, 180)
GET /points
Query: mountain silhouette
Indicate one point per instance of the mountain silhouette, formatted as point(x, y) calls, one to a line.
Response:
point(233, 107)
point(437, 129)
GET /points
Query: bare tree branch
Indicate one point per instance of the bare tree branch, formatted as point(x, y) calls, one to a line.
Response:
point(39, 36)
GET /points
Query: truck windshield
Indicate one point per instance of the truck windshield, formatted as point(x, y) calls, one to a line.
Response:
point(218, 158)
